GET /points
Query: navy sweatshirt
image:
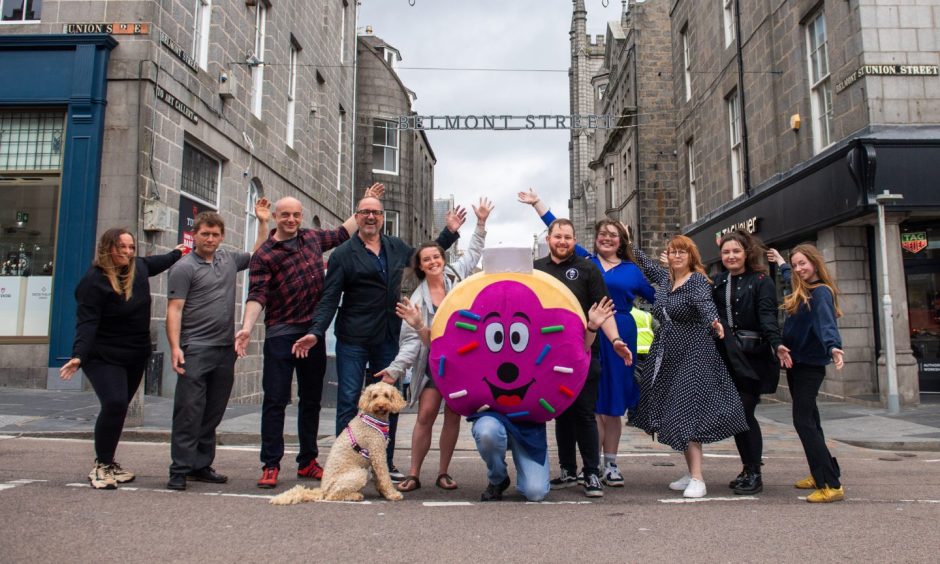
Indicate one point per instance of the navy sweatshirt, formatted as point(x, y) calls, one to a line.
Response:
point(811, 333)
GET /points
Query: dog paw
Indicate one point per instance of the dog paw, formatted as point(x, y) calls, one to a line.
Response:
point(394, 496)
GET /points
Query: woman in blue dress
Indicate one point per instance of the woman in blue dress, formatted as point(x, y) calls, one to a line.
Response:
point(617, 390)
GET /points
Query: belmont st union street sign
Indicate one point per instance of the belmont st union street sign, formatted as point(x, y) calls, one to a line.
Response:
point(506, 122)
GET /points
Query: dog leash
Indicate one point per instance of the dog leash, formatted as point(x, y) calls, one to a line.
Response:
point(378, 425)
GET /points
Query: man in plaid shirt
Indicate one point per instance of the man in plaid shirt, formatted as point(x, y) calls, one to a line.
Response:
point(286, 280)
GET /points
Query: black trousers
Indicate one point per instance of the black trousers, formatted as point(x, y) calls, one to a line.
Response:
point(576, 428)
point(804, 381)
point(750, 443)
point(199, 403)
point(115, 386)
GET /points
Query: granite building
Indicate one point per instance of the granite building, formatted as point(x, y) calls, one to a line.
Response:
point(791, 118)
point(142, 114)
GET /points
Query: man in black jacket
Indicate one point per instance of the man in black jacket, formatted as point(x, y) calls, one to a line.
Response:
point(366, 271)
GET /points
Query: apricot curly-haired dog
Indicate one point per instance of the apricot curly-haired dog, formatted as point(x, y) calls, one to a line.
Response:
point(360, 446)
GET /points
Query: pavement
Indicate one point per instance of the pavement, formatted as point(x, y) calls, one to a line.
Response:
point(71, 414)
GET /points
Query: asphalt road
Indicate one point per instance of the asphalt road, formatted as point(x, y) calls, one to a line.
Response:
point(50, 514)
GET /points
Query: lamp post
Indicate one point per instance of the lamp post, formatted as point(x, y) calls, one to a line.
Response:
point(891, 366)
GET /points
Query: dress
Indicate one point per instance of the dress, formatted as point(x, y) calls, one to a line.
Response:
point(687, 394)
point(617, 390)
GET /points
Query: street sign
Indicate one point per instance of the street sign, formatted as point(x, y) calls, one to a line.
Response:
point(914, 242)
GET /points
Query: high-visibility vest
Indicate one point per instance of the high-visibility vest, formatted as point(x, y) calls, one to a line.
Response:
point(644, 330)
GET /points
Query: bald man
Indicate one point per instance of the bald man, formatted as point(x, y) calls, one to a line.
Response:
point(286, 281)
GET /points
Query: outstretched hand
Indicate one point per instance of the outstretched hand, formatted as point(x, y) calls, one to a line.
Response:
point(773, 256)
point(376, 191)
point(483, 209)
point(303, 345)
point(410, 313)
point(455, 219)
point(263, 210)
point(600, 312)
point(531, 197)
point(69, 369)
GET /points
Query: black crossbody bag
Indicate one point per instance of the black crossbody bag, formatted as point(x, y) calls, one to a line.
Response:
point(749, 342)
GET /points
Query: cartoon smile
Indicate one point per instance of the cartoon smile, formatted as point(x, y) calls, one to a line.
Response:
point(509, 398)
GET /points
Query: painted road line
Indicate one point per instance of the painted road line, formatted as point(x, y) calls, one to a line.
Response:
point(559, 503)
point(710, 455)
point(446, 503)
point(701, 499)
point(9, 485)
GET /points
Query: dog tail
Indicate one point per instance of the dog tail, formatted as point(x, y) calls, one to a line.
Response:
point(297, 494)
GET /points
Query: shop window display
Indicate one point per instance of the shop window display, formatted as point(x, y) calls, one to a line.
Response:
point(921, 244)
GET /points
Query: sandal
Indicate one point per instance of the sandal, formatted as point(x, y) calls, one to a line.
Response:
point(445, 482)
point(409, 484)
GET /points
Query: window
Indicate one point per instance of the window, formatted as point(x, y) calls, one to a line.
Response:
point(392, 223)
point(31, 148)
point(385, 138)
point(601, 91)
point(820, 87)
point(612, 199)
point(255, 193)
point(693, 198)
point(342, 32)
point(201, 176)
point(391, 57)
point(687, 62)
point(737, 157)
point(728, 18)
point(257, 62)
point(340, 148)
point(202, 13)
point(21, 10)
point(291, 92)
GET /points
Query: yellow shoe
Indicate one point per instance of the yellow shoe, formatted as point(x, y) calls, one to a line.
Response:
point(826, 495)
point(806, 484)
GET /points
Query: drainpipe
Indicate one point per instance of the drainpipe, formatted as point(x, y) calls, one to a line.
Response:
point(744, 143)
point(354, 122)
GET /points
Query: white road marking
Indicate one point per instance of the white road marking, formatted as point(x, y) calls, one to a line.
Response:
point(9, 485)
point(711, 455)
point(701, 499)
point(446, 503)
point(559, 503)
point(933, 460)
point(255, 496)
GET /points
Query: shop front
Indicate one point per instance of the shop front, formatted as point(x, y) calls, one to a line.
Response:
point(52, 105)
point(921, 242)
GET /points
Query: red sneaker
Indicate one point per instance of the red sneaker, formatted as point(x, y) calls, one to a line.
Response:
point(269, 477)
point(312, 470)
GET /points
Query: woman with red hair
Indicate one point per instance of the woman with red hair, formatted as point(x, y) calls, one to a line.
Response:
point(687, 396)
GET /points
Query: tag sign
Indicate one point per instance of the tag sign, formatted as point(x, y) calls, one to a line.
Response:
point(914, 242)
point(182, 108)
point(110, 28)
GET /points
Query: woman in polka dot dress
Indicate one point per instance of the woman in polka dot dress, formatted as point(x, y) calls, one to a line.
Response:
point(687, 396)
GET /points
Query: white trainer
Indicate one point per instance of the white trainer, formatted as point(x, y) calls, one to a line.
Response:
point(680, 484)
point(612, 476)
point(696, 488)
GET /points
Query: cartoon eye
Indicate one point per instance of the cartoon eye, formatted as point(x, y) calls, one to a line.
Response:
point(518, 336)
point(494, 337)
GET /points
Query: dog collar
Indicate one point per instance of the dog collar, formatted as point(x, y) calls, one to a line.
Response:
point(378, 425)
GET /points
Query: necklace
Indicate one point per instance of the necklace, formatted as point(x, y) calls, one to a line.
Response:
point(609, 262)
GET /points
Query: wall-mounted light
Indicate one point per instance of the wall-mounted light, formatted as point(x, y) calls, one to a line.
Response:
point(795, 122)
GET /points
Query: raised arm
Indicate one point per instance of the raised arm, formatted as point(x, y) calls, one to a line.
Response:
point(263, 213)
point(158, 263)
point(466, 263)
point(376, 191)
point(653, 270)
point(532, 198)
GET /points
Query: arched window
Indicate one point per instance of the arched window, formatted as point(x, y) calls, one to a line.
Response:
point(255, 193)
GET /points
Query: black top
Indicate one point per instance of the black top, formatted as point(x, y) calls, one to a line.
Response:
point(367, 313)
point(109, 328)
point(580, 276)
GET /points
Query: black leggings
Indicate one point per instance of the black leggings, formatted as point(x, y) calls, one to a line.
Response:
point(115, 386)
point(576, 428)
point(804, 381)
point(750, 443)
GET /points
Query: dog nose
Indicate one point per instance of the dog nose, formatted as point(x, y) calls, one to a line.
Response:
point(507, 372)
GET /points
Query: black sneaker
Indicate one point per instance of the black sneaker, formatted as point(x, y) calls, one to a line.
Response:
point(565, 480)
point(396, 475)
point(592, 486)
point(495, 492)
point(207, 474)
point(176, 482)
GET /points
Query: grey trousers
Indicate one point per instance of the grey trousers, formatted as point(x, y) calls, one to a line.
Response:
point(201, 397)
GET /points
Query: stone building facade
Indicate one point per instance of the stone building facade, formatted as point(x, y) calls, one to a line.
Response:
point(146, 112)
point(400, 159)
point(631, 167)
point(791, 118)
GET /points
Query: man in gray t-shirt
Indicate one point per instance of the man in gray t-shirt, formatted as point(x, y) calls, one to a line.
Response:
point(200, 327)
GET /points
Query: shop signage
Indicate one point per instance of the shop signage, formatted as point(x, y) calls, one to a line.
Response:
point(914, 242)
point(38, 300)
point(110, 28)
point(177, 50)
point(189, 209)
point(173, 101)
point(749, 225)
point(10, 291)
point(886, 70)
point(506, 122)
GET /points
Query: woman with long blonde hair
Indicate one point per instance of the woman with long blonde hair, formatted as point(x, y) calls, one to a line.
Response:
point(112, 339)
point(811, 341)
point(686, 397)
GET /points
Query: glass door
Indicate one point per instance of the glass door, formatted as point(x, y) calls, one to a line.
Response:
point(921, 244)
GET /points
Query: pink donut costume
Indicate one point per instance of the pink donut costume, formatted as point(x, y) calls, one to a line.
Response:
point(510, 340)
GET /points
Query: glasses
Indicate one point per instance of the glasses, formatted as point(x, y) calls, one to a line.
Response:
point(607, 235)
point(366, 213)
point(677, 252)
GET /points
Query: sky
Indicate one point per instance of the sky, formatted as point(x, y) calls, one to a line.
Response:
point(491, 34)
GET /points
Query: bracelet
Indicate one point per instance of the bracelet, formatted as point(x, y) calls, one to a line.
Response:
point(615, 340)
point(591, 330)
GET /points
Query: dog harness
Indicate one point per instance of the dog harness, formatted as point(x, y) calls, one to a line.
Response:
point(380, 426)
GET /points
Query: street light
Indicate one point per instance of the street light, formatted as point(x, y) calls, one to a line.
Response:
point(891, 367)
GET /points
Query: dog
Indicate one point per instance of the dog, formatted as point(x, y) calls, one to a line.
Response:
point(359, 447)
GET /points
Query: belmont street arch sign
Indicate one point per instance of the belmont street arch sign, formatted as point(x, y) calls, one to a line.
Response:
point(506, 122)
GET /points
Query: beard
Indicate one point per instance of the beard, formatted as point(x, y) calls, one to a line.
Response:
point(561, 254)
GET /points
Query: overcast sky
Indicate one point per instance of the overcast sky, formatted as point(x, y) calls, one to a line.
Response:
point(504, 34)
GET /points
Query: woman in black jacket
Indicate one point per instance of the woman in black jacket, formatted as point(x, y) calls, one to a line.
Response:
point(112, 339)
point(747, 305)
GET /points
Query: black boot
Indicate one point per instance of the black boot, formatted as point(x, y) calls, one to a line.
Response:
point(737, 481)
point(752, 482)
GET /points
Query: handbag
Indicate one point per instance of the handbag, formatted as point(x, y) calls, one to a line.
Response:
point(749, 342)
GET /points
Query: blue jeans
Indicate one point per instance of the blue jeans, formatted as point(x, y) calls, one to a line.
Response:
point(492, 440)
point(279, 367)
point(351, 361)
